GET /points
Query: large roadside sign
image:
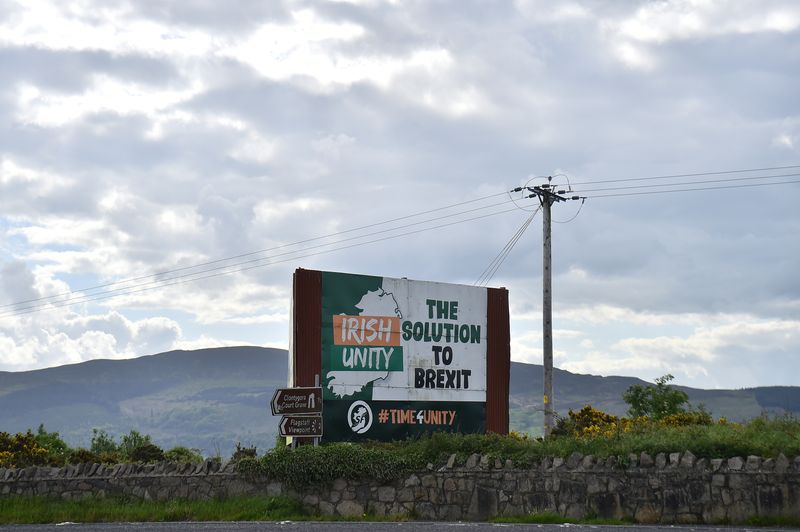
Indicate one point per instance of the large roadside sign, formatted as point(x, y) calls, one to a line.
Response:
point(301, 426)
point(401, 358)
point(297, 401)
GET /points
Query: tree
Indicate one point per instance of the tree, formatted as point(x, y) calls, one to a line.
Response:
point(656, 401)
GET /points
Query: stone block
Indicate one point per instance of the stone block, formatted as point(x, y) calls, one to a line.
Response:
point(377, 508)
point(753, 463)
point(509, 463)
point(687, 460)
point(451, 461)
point(574, 459)
point(450, 512)
point(718, 480)
point(557, 462)
point(587, 462)
point(483, 504)
point(472, 461)
point(429, 481)
point(716, 464)
point(674, 459)
point(484, 461)
point(781, 463)
point(412, 480)
point(425, 510)
point(736, 463)
point(661, 460)
point(386, 494)
point(645, 460)
point(326, 508)
point(350, 508)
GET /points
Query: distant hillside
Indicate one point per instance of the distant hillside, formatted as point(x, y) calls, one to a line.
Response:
point(212, 398)
point(208, 399)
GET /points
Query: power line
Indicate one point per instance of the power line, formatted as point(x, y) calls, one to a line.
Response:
point(249, 254)
point(135, 289)
point(690, 183)
point(488, 272)
point(690, 189)
point(698, 174)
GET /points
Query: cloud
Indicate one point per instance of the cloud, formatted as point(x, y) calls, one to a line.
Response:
point(154, 136)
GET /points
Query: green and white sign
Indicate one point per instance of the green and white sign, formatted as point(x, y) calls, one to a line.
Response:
point(401, 357)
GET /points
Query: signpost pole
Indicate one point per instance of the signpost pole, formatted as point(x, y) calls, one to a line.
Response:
point(316, 385)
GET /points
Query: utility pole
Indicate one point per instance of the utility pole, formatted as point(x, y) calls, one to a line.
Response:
point(547, 314)
point(547, 197)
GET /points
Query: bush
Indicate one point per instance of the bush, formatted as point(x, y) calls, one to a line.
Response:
point(147, 452)
point(102, 443)
point(132, 441)
point(311, 465)
point(21, 450)
point(241, 453)
point(183, 455)
point(83, 456)
point(656, 401)
point(57, 448)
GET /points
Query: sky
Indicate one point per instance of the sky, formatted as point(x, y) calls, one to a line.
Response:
point(150, 136)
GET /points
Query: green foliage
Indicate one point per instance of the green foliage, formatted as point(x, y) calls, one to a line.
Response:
point(655, 401)
point(131, 441)
point(83, 456)
point(241, 452)
point(147, 453)
point(183, 455)
point(103, 443)
point(56, 447)
point(21, 450)
point(312, 465)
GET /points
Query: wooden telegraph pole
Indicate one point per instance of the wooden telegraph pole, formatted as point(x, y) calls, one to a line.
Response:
point(547, 196)
point(547, 315)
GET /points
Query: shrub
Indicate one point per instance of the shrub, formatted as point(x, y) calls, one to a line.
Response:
point(21, 450)
point(655, 401)
point(103, 443)
point(147, 452)
point(83, 456)
point(241, 452)
point(310, 465)
point(132, 441)
point(57, 448)
point(183, 455)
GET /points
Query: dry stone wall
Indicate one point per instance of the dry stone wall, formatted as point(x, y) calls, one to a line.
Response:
point(666, 488)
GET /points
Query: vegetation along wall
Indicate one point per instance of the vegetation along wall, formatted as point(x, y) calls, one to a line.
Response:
point(667, 488)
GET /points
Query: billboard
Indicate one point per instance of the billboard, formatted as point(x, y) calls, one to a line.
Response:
point(397, 358)
point(401, 357)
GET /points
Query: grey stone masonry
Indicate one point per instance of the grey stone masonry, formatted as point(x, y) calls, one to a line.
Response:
point(667, 488)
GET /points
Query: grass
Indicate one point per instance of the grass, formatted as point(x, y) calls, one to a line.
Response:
point(25, 510)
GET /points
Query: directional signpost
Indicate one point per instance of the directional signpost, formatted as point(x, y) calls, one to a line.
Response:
point(300, 410)
point(297, 401)
point(301, 426)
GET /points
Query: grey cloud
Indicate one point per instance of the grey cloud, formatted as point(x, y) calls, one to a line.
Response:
point(232, 16)
point(17, 283)
point(71, 71)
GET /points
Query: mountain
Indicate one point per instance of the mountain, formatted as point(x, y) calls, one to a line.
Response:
point(212, 398)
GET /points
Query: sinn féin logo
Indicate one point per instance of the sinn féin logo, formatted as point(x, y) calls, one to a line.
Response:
point(359, 417)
